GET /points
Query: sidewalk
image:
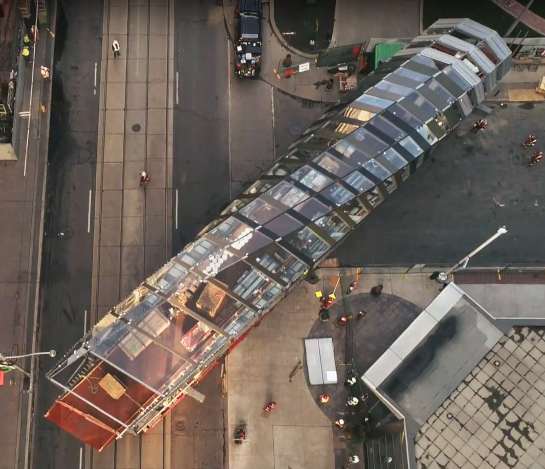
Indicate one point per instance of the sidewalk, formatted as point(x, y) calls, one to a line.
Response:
point(306, 85)
point(22, 199)
point(133, 224)
point(298, 434)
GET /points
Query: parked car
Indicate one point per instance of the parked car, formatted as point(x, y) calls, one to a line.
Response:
point(248, 43)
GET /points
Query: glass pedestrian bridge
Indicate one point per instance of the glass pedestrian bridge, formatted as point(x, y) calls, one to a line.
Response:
point(151, 349)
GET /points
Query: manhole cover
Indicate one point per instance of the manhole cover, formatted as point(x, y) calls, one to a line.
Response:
point(295, 129)
point(136, 128)
point(308, 104)
point(180, 426)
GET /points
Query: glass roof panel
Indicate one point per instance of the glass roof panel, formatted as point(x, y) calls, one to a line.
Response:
point(288, 194)
point(394, 158)
point(273, 257)
point(251, 242)
point(437, 94)
point(405, 116)
point(358, 114)
point(388, 128)
point(426, 133)
point(260, 211)
point(306, 242)
point(427, 61)
point(311, 178)
point(337, 194)
point(312, 209)
point(333, 225)
point(359, 182)
point(366, 142)
point(376, 169)
point(231, 230)
point(394, 88)
point(374, 101)
point(411, 146)
point(457, 78)
point(351, 152)
point(283, 225)
point(405, 72)
point(145, 343)
point(333, 165)
point(427, 109)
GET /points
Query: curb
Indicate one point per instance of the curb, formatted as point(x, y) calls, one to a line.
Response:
point(278, 35)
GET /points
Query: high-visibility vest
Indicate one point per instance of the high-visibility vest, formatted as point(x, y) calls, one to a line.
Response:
point(115, 46)
point(25, 52)
point(26, 39)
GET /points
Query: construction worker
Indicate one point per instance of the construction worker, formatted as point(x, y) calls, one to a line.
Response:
point(339, 423)
point(376, 291)
point(327, 302)
point(324, 398)
point(45, 73)
point(351, 287)
point(350, 381)
point(536, 158)
point(480, 125)
point(353, 459)
point(353, 401)
point(144, 178)
point(530, 141)
point(26, 53)
point(364, 397)
point(116, 48)
point(287, 62)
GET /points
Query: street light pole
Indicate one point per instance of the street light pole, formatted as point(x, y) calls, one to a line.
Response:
point(6, 361)
point(444, 276)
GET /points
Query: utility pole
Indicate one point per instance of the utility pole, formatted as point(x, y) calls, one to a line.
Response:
point(443, 277)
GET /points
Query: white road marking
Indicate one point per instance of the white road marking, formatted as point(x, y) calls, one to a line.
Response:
point(176, 214)
point(96, 69)
point(177, 84)
point(272, 110)
point(80, 458)
point(85, 323)
point(89, 212)
point(229, 123)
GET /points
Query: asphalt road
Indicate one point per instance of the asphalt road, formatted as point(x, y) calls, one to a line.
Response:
point(201, 120)
point(472, 185)
point(67, 264)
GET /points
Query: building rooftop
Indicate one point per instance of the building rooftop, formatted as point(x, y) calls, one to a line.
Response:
point(496, 417)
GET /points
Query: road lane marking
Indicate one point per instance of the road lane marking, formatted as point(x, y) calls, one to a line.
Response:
point(85, 323)
point(229, 121)
point(176, 214)
point(89, 212)
point(272, 109)
point(96, 68)
point(177, 89)
point(80, 458)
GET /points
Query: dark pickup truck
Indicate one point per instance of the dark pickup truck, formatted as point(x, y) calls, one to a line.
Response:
point(248, 44)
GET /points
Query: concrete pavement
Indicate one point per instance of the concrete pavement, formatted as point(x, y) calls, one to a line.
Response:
point(297, 434)
point(22, 199)
point(132, 224)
